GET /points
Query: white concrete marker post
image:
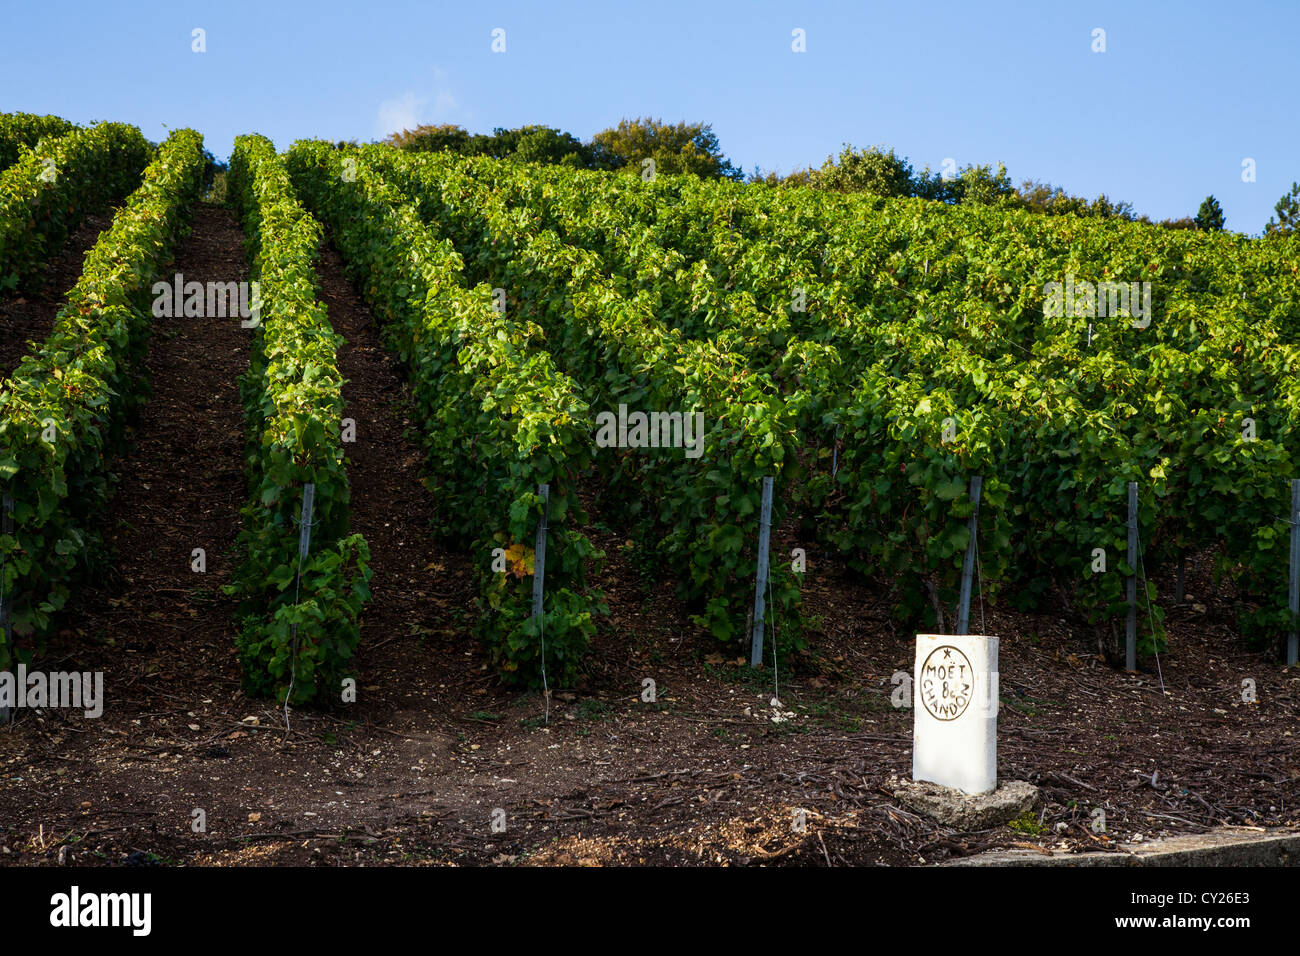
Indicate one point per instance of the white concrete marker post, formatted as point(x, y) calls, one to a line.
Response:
point(955, 712)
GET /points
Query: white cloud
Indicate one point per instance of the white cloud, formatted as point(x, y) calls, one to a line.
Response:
point(400, 113)
point(411, 109)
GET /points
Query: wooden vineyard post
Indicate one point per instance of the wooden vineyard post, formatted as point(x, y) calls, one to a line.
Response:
point(1130, 641)
point(1293, 639)
point(968, 566)
point(760, 584)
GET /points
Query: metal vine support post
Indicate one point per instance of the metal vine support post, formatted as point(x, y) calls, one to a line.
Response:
point(304, 545)
point(304, 530)
point(539, 555)
point(760, 585)
point(1293, 639)
point(968, 566)
point(1130, 642)
point(539, 581)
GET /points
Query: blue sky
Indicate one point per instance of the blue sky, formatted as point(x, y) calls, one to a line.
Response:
point(1184, 92)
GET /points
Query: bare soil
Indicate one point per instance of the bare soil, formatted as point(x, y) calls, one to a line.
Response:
point(438, 763)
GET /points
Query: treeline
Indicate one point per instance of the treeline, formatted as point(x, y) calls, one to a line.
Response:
point(694, 148)
point(673, 147)
point(883, 172)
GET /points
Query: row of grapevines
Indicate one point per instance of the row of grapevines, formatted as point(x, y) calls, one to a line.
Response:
point(1183, 386)
point(1239, 342)
point(1054, 476)
point(887, 258)
point(1177, 392)
point(921, 540)
point(498, 419)
point(891, 254)
point(696, 512)
point(901, 341)
point(63, 409)
point(299, 617)
point(770, 268)
point(988, 269)
point(899, 500)
point(19, 131)
point(689, 296)
point(772, 256)
point(49, 189)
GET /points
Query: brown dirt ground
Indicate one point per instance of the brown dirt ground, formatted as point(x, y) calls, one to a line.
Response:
point(709, 774)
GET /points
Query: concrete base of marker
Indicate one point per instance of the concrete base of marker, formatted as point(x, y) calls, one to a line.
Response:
point(955, 712)
point(964, 811)
point(1227, 847)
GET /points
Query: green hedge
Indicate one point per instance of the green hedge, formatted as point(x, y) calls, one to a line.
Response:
point(45, 194)
point(293, 399)
point(19, 131)
point(499, 419)
point(62, 411)
point(698, 515)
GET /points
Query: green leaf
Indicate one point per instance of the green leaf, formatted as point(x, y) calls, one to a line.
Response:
point(950, 490)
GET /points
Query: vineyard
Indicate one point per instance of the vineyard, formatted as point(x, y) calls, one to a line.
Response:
point(594, 374)
point(806, 347)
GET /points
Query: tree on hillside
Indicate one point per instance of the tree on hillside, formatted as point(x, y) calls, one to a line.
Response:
point(534, 144)
point(800, 177)
point(1210, 216)
point(982, 186)
point(674, 147)
point(1050, 200)
point(1103, 207)
point(870, 170)
point(530, 144)
point(434, 139)
point(1287, 214)
point(543, 144)
point(885, 173)
point(928, 185)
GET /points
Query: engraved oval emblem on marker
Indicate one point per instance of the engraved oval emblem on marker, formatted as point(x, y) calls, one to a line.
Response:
point(946, 683)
